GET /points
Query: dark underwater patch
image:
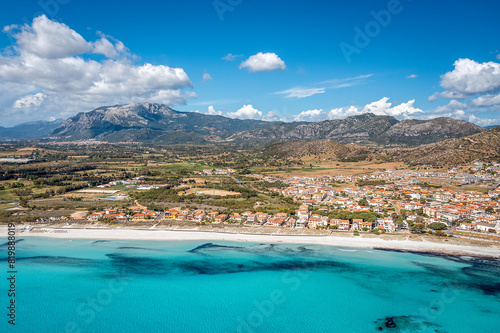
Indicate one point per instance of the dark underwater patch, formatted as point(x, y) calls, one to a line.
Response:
point(100, 241)
point(146, 265)
point(402, 324)
point(208, 246)
point(16, 241)
point(58, 260)
point(137, 248)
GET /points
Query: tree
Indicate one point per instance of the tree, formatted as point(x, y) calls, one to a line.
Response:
point(23, 202)
point(490, 210)
point(417, 229)
point(437, 226)
point(363, 202)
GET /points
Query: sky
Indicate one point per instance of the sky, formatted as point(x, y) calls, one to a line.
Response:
point(273, 60)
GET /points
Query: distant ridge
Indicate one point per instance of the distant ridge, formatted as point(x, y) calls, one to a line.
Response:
point(155, 123)
point(365, 129)
point(459, 151)
point(29, 130)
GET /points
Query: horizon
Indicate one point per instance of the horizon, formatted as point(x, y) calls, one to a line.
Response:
point(343, 60)
point(290, 121)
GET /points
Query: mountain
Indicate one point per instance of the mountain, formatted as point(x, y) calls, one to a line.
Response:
point(319, 149)
point(357, 129)
point(417, 132)
point(30, 130)
point(459, 151)
point(366, 128)
point(152, 123)
point(491, 126)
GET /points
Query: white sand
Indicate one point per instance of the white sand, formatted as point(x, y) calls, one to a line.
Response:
point(182, 235)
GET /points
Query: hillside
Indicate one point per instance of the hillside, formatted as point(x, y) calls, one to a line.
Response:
point(152, 123)
point(356, 129)
point(319, 149)
point(30, 130)
point(459, 151)
point(411, 132)
point(365, 129)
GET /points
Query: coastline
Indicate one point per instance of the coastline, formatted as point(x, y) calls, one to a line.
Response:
point(406, 245)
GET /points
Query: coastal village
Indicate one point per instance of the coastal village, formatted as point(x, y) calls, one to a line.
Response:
point(398, 198)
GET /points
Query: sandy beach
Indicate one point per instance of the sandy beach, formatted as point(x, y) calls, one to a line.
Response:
point(422, 245)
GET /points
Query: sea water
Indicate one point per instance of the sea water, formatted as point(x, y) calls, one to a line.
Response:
point(194, 286)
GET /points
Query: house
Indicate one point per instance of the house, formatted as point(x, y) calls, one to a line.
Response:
point(486, 227)
point(464, 226)
point(357, 224)
point(301, 223)
point(368, 225)
point(344, 225)
point(221, 218)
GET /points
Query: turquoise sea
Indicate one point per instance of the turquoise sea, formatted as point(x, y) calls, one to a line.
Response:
point(158, 286)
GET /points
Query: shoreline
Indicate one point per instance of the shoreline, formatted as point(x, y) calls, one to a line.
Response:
point(406, 245)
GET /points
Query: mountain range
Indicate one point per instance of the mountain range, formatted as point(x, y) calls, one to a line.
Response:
point(157, 123)
point(483, 146)
point(365, 129)
point(30, 130)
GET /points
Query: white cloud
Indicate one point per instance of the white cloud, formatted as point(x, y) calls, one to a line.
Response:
point(383, 107)
point(340, 113)
point(29, 101)
point(483, 121)
point(211, 111)
point(311, 115)
point(453, 109)
point(263, 62)
point(412, 76)
point(48, 39)
point(207, 77)
point(404, 109)
point(486, 100)
point(380, 107)
point(299, 92)
point(48, 60)
point(246, 112)
point(470, 78)
point(105, 47)
point(302, 92)
point(231, 57)
point(271, 116)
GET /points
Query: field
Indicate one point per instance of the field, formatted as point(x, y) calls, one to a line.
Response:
point(329, 168)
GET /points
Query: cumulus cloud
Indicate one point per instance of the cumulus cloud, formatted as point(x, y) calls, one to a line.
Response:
point(454, 109)
point(271, 116)
point(211, 111)
point(48, 39)
point(483, 121)
point(383, 107)
point(299, 92)
point(263, 62)
point(312, 115)
point(380, 107)
point(340, 113)
point(49, 59)
point(411, 76)
point(246, 112)
point(470, 78)
point(109, 47)
point(29, 101)
point(207, 77)
point(486, 100)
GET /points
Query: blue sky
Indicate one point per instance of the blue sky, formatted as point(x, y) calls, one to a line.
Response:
point(294, 60)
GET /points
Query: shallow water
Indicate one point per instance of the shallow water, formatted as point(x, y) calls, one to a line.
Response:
point(195, 286)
